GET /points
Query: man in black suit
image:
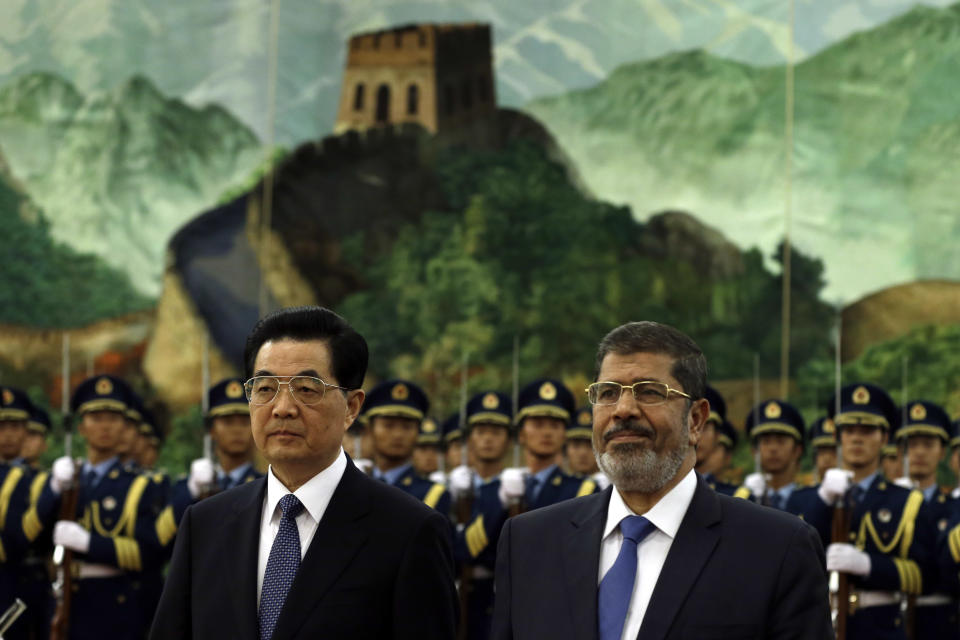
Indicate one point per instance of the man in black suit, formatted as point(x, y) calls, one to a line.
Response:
point(658, 554)
point(316, 548)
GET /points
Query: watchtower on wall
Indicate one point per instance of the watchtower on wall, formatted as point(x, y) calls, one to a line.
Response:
point(439, 76)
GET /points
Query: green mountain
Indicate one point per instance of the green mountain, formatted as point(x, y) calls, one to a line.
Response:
point(117, 172)
point(876, 132)
point(48, 284)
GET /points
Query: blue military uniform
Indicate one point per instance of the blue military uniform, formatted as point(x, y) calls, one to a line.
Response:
point(887, 522)
point(936, 613)
point(475, 542)
point(119, 509)
point(551, 399)
point(725, 434)
point(33, 586)
point(776, 416)
point(403, 399)
point(16, 407)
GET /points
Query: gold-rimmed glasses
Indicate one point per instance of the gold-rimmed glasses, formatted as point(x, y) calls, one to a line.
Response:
point(645, 392)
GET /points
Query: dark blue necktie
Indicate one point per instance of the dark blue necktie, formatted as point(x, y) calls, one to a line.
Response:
point(281, 566)
point(613, 596)
point(856, 495)
point(225, 482)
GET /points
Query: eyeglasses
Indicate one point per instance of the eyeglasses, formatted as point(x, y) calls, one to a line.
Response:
point(646, 393)
point(307, 389)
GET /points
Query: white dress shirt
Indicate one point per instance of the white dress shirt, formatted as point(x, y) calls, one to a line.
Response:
point(666, 516)
point(315, 495)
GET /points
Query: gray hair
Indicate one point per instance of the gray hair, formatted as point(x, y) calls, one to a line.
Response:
point(689, 367)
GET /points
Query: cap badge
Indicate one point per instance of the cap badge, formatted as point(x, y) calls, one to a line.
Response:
point(429, 426)
point(104, 387)
point(400, 392)
point(491, 401)
point(861, 396)
point(584, 418)
point(7, 396)
point(918, 412)
point(772, 411)
point(548, 391)
point(234, 389)
point(884, 515)
point(828, 426)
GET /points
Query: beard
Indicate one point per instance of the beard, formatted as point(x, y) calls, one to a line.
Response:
point(632, 466)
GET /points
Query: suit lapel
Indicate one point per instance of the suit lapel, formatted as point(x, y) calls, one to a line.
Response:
point(690, 550)
point(338, 538)
point(241, 549)
point(581, 562)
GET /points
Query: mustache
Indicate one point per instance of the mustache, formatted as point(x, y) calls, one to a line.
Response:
point(630, 426)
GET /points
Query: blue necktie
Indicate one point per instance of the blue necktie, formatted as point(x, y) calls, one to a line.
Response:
point(613, 596)
point(281, 566)
point(225, 482)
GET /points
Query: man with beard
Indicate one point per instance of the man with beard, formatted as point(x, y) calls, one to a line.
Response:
point(659, 540)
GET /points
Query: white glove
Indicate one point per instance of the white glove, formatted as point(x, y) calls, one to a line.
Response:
point(835, 484)
point(438, 477)
point(61, 476)
point(364, 464)
point(460, 481)
point(955, 493)
point(513, 484)
point(71, 535)
point(201, 476)
point(904, 482)
point(846, 558)
point(756, 483)
point(601, 479)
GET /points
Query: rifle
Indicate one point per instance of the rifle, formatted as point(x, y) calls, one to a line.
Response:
point(910, 602)
point(464, 507)
point(839, 582)
point(63, 557)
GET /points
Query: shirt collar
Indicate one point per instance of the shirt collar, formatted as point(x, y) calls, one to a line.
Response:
point(666, 515)
point(100, 468)
point(930, 492)
point(237, 473)
point(315, 494)
point(785, 491)
point(392, 475)
point(544, 474)
point(866, 482)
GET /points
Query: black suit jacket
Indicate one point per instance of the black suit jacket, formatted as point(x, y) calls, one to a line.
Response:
point(380, 565)
point(734, 570)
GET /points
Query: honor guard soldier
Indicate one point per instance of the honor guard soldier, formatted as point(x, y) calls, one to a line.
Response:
point(923, 434)
point(113, 529)
point(393, 411)
point(131, 441)
point(823, 441)
point(776, 432)
point(35, 443)
point(710, 443)
point(578, 448)
point(544, 408)
point(890, 538)
point(15, 408)
point(478, 494)
point(228, 423)
point(891, 461)
point(955, 456)
point(34, 582)
point(452, 441)
point(426, 452)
